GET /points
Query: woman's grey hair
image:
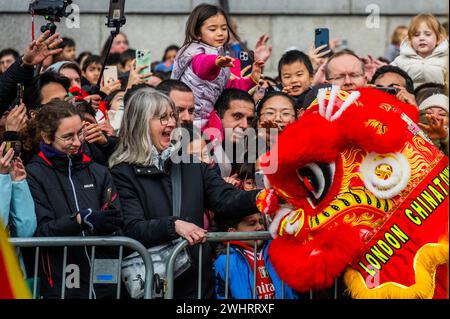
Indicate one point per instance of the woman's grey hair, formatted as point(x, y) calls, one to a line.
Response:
point(135, 143)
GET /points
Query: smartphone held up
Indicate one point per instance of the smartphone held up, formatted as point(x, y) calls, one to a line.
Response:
point(15, 145)
point(143, 58)
point(322, 37)
point(246, 59)
point(110, 75)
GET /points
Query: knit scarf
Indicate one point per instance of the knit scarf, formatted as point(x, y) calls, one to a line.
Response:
point(158, 159)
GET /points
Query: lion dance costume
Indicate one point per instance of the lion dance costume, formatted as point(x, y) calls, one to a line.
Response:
point(367, 198)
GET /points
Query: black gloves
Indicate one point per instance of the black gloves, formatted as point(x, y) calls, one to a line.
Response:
point(101, 222)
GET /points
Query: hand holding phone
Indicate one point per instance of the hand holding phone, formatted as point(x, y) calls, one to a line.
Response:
point(110, 75)
point(143, 59)
point(322, 36)
point(16, 120)
point(19, 93)
point(19, 96)
point(246, 58)
point(15, 145)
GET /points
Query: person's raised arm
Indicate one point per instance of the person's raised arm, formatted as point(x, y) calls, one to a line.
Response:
point(22, 71)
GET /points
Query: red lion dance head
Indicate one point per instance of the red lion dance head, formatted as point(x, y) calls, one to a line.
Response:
point(366, 197)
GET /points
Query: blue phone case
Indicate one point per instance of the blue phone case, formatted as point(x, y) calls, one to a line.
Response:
point(322, 36)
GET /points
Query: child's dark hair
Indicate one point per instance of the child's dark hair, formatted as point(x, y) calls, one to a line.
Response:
point(93, 59)
point(66, 42)
point(198, 16)
point(82, 55)
point(245, 171)
point(128, 55)
point(224, 222)
point(295, 56)
point(169, 48)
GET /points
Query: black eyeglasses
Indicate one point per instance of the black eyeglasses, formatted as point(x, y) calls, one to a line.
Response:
point(164, 119)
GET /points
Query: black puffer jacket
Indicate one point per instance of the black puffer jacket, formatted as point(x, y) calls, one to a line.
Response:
point(146, 197)
point(60, 187)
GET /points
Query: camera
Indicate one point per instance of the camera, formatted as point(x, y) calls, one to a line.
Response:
point(116, 13)
point(52, 10)
point(243, 55)
point(388, 89)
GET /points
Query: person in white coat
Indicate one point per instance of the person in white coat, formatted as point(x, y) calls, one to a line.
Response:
point(424, 54)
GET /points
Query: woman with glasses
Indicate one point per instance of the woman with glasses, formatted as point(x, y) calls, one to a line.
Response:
point(146, 176)
point(73, 197)
point(274, 112)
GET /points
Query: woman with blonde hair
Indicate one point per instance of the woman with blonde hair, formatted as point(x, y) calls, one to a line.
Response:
point(393, 50)
point(424, 54)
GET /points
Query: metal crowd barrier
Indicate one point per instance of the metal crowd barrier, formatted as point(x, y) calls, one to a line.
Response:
point(222, 237)
point(215, 237)
point(93, 241)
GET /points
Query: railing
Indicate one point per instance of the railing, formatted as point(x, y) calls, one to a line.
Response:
point(215, 237)
point(93, 241)
point(149, 280)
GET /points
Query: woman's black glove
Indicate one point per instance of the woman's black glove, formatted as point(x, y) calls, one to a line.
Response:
point(103, 222)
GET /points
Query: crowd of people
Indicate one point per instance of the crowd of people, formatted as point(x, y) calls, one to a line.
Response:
point(81, 160)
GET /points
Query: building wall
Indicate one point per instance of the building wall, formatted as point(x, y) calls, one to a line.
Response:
point(155, 24)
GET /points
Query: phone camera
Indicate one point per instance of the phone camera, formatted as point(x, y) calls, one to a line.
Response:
point(243, 55)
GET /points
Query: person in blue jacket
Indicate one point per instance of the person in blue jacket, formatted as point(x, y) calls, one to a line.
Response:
point(241, 264)
point(16, 203)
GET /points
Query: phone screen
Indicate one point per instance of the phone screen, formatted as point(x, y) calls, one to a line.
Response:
point(322, 36)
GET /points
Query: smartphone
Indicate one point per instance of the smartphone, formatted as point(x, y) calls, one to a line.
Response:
point(110, 75)
point(143, 59)
point(259, 180)
point(388, 89)
point(116, 12)
point(322, 36)
point(108, 197)
point(15, 145)
point(19, 93)
point(246, 58)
